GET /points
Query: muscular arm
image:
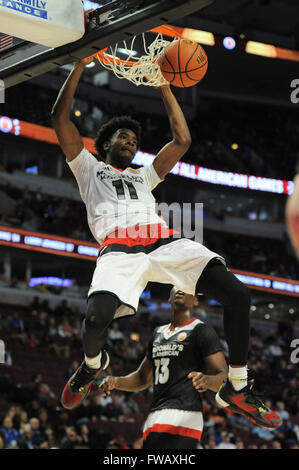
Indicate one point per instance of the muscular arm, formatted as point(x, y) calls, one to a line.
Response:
point(292, 215)
point(67, 133)
point(138, 380)
point(174, 150)
point(217, 367)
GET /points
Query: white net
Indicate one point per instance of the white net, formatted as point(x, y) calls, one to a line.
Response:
point(143, 70)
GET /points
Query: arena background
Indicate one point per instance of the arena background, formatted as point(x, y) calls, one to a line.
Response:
point(245, 134)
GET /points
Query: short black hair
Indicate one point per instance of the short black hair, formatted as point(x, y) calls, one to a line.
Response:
point(109, 128)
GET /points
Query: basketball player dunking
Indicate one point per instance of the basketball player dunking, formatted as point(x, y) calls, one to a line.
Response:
point(137, 247)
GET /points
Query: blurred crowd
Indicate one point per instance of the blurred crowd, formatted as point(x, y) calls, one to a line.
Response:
point(44, 349)
point(36, 211)
point(261, 255)
point(40, 212)
point(255, 139)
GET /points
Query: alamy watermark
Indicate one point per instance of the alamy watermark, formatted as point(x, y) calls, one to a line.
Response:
point(295, 93)
point(141, 220)
point(2, 92)
point(295, 354)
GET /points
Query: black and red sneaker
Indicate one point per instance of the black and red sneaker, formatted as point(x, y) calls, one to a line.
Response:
point(247, 403)
point(79, 385)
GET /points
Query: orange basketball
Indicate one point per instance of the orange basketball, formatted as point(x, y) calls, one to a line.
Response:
point(183, 63)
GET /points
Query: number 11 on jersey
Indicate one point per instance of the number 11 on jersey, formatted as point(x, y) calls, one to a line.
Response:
point(120, 189)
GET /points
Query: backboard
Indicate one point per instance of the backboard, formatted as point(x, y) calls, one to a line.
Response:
point(105, 26)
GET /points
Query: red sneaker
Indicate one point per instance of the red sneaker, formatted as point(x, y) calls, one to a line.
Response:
point(247, 403)
point(79, 385)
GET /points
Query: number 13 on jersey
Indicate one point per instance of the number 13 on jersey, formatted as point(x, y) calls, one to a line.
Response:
point(161, 370)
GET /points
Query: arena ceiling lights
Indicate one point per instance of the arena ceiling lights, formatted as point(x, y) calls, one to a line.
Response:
point(230, 43)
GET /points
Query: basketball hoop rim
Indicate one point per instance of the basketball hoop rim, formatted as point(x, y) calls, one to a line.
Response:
point(108, 59)
point(105, 58)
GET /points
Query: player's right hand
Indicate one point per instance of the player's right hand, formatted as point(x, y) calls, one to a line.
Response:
point(107, 385)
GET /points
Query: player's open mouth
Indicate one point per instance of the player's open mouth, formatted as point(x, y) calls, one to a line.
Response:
point(179, 298)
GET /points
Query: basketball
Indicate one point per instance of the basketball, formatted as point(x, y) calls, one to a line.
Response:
point(183, 63)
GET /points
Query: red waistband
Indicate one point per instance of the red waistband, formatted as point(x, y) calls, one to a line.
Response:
point(138, 235)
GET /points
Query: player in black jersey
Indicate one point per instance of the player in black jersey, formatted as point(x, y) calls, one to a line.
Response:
point(179, 354)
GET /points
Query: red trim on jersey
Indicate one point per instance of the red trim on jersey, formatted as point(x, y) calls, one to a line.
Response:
point(179, 430)
point(119, 169)
point(190, 321)
point(138, 235)
point(181, 327)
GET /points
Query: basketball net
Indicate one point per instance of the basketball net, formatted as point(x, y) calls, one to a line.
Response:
point(143, 70)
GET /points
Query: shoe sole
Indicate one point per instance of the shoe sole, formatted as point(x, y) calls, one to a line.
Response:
point(88, 390)
point(220, 401)
point(107, 362)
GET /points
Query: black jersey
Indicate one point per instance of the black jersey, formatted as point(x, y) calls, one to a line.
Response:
point(173, 357)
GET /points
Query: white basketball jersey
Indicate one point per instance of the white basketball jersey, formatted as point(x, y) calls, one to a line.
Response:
point(115, 199)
